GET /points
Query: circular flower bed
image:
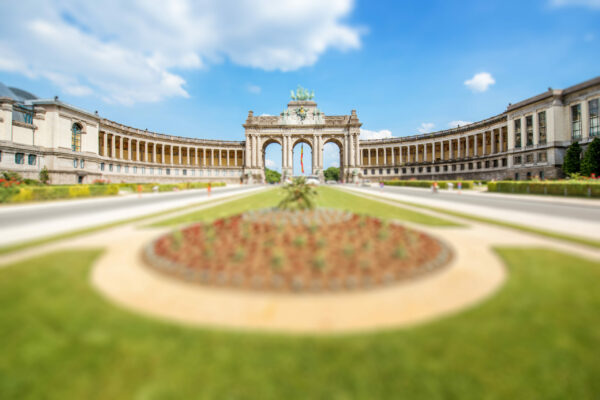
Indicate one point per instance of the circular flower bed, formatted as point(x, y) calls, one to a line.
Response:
point(312, 250)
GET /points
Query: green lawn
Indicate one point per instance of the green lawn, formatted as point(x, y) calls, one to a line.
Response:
point(536, 339)
point(335, 198)
point(328, 197)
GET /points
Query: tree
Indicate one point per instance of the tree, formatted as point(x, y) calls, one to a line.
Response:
point(298, 196)
point(572, 162)
point(591, 160)
point(332, 174)
point(272, 176)
point(44, 176)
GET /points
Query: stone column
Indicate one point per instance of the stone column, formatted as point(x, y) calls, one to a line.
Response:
point(377, 156)
point(105, 152)
point(112, 144)
point(501, 141)
point(162, 153)
point(385, 156)
point(128, 149)
point(171, 154)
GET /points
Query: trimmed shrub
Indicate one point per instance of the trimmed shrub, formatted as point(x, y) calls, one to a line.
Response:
point(591, 160)
point(556, 188)
point(428, 184)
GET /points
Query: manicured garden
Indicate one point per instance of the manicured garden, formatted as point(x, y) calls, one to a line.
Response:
point(14, 189)
point(537, 338)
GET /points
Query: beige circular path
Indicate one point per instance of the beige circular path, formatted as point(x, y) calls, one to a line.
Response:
point(474, 273)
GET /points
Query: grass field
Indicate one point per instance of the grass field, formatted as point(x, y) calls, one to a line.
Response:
point(538, 338)
point(327, 197)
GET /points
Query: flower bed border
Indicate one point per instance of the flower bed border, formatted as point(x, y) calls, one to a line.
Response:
point(205, 278)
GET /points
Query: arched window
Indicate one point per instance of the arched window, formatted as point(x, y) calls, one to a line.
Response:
point(76, 137)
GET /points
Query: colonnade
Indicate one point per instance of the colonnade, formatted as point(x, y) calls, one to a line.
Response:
point(434, 150)
point(126, 148)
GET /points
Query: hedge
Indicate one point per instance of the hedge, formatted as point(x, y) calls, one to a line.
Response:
point(168, 187)
point(41, 193)
point(428, 184)
point(554, 188)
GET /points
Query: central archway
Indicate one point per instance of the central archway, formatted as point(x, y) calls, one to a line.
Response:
point(302, 154)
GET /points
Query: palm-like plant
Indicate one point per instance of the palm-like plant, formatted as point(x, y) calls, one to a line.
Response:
point(298, 196)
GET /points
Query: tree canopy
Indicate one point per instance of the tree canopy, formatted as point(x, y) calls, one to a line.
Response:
point(332, 174)
point(272, 176)
point(572, 161)
point(591, 160)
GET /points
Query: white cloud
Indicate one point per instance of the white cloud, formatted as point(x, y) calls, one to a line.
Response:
point(457, 123)
point(426, 127)
point(269, 163)
point(254, 89)
point(135, 51)
point(366, 134)
point(583, 3)
point(480, 82)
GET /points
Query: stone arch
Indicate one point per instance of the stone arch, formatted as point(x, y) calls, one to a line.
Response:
point(339, 142)
point(313, 149)
point(266, 142)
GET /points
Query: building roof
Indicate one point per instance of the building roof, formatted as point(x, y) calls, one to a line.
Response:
point(16, 94)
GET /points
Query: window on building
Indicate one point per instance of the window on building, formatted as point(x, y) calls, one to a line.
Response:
point(160, 171)
point(19, 158)
point(495, 163)
point(529, 130)
point(135, 170)
point(420, 169)
point(110, 167)
point(542, 175)
point(518, 160)
point(143, 170)
point(0, 155)
point(396, 171)
point(76, 137)
point(576, 122)
point(118, 168)
point(437, 168)
point(380, 171)
point(478, 164)
point(542, 127)
point(462, 167)
point(81, 163)
point(529, 159)
point(168, 171)
point(22, 113)
point(517, 133)
point(504, 162)
point(542, 157)
point(151, 171)
point(101, 166)
point(75, 163)
point(470, 165)
point(200, 172)
point(366, 172)
point(412, 170)
point(185, 172)
point(516, 176)
point(445, 168)
point(31, 159)
point(594, 118)
point(529, 175)
point(487, 164)
point(454, 167)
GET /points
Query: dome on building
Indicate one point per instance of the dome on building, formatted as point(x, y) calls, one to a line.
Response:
point(17, 94)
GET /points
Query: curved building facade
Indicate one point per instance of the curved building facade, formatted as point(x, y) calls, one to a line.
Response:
point(527, 140)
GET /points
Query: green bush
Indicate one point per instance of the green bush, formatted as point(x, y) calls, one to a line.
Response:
point(428, 184)
point(555, 188)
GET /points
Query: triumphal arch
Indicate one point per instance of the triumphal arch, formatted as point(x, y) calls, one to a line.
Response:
point(302, 122)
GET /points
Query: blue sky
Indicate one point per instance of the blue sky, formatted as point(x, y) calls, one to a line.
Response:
point(196, 68)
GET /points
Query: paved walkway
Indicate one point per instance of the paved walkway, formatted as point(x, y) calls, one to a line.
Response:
point(19, 223)
point(474, 274)
point(577, 217)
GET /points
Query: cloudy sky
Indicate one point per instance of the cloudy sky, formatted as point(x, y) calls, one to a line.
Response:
point(195, 68)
